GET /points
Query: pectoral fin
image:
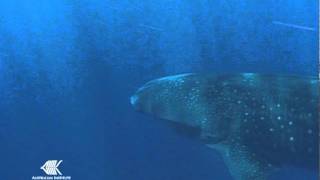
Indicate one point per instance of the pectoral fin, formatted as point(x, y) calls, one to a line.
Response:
point(242, 164)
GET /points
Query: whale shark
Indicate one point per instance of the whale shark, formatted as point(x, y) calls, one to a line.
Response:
point(258, 122)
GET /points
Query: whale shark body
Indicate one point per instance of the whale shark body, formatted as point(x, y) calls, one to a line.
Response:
point(258, 122)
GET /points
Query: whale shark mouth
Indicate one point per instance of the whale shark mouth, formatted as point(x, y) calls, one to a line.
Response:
point(194, 132)
point(184, 130)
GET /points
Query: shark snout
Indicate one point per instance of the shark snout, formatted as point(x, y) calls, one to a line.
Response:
point(133, 100)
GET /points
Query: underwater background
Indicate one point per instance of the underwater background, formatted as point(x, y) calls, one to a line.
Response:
point(68, 68)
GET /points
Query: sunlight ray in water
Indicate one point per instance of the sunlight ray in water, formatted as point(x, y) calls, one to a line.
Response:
point(294, 26)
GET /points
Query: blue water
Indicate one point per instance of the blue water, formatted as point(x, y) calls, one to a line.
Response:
point(68, 68)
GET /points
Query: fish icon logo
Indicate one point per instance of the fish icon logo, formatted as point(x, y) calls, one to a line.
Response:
point(51, 167)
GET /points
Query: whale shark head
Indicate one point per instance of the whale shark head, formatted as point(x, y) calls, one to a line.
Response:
point(159, 96)
point(178, 100)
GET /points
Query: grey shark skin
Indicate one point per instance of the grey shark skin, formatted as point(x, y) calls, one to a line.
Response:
point(258, 122)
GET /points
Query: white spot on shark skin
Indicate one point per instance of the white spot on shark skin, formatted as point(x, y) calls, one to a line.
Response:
point(248, 75)
point(249, 78)
point(291, 138)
